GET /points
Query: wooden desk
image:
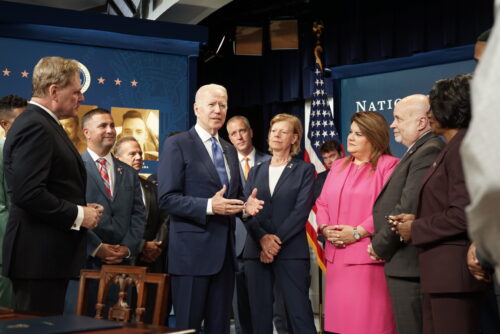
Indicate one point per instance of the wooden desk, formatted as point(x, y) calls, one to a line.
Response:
point(127, 328)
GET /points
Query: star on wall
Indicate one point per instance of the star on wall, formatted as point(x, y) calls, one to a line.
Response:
point(25, 74)
point(118, 82)
point(6, 72)
point(134, 83)
point(101, 80)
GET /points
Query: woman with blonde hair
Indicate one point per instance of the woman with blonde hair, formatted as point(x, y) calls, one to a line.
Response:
point(276, 250)
point(356, 296)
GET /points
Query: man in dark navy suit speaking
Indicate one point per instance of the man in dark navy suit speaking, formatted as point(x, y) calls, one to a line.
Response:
point(200, 187)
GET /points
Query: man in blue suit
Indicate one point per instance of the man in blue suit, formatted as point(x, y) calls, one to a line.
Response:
point(200, 187)
point(116, 186)
point(241, 134)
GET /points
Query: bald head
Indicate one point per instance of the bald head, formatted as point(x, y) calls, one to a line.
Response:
point(410, 119)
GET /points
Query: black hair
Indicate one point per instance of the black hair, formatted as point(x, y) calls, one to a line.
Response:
point(450, 101)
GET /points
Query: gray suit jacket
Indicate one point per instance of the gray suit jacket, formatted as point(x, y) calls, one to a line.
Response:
point(241, 231)
point(400, 195)
point(124, 216)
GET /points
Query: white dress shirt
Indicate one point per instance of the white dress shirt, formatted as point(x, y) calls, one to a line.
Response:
point(274, 176)
point(251, 159)
point(205, 138)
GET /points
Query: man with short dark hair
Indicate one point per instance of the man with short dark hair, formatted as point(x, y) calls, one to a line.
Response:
point(44, 244)
point(330, 151)
point(135, 126)
point(241, 134)
point(152, 252)
point(10, 107)
point(154, 242)
point(114, 185)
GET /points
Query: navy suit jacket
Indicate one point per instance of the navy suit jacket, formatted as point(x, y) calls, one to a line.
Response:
point(241, 231)
point(124, 218)
point(285, 212)
point(187, 179)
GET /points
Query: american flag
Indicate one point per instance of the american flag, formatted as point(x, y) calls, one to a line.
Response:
point(321, 125)
point(319, 128)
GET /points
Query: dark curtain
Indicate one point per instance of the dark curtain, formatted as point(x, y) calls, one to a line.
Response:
point(355, 32)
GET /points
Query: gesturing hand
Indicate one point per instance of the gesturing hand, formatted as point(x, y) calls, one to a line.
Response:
point(254, 205)
point(224, 206)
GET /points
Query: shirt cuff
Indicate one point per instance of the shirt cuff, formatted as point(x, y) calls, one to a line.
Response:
point(96, 250)
point(209, 207)
point(79, 219)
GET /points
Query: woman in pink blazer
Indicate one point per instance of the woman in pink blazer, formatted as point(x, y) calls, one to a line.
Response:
point(356, 296)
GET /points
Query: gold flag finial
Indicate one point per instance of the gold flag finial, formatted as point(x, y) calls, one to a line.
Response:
point(318, 30)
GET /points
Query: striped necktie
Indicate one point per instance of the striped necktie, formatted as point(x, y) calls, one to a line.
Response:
point(104, 174)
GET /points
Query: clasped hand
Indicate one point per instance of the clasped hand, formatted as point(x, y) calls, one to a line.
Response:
point(339, 235)
point(401, 224)
point(226, 206)
point(271, 246)
point(91, 215)
point(475, 267)
point(112, 254)
point(151, 251)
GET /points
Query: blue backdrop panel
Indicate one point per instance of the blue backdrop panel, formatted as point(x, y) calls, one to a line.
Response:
point(147, 80)
point(379, 92)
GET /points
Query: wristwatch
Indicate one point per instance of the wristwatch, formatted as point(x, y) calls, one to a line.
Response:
point(356, 233)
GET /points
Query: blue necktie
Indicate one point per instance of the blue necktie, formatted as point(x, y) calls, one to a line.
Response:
point(219, 162)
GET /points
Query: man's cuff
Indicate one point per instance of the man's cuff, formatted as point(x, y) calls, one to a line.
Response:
point(96, 250)
point(209, 207)
point(79, 219)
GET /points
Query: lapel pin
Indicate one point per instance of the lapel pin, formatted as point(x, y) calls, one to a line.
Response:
point(120, 170)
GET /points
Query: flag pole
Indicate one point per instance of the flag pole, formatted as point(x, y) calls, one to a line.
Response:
point(317, 30)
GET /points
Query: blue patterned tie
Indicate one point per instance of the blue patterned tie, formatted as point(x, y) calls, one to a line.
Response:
point(219, 162)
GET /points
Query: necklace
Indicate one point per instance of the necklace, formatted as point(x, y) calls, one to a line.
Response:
point(275, 163)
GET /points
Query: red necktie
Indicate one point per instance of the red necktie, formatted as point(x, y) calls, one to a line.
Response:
point(104, 174)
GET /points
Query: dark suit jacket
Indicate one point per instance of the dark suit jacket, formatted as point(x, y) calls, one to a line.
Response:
point(124, 219)
point(440, 230)
point(241, 231)
point(187, 179)
point(285, 212)
point(319, 182)
point(46, 181)
point(400, 195)
point(156, 226)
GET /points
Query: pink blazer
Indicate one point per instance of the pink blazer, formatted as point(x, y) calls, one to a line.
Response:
point(347, 198)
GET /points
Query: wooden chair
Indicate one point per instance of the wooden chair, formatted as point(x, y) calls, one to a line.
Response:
point(125, 276)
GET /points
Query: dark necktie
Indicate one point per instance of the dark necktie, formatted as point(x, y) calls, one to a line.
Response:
point(219, 162)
